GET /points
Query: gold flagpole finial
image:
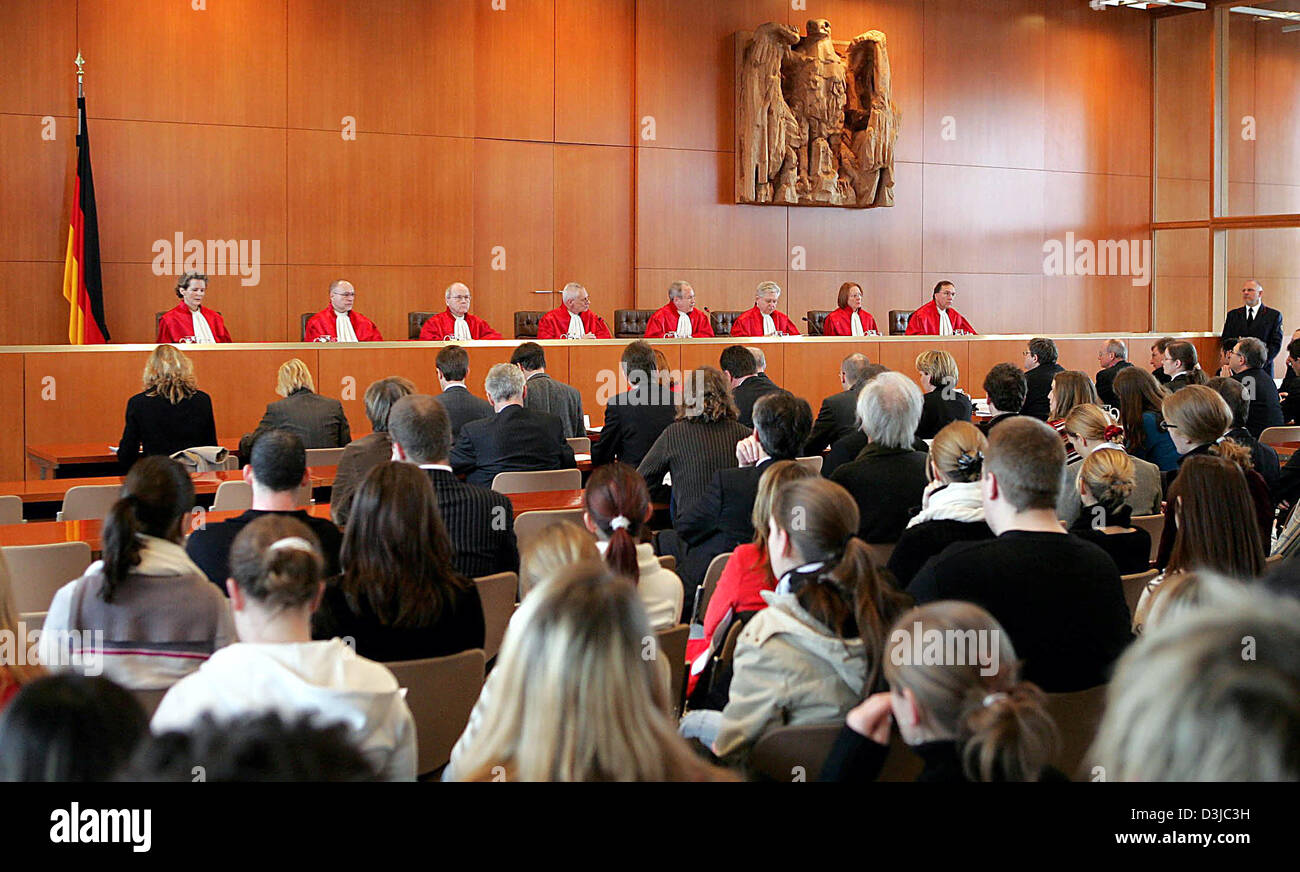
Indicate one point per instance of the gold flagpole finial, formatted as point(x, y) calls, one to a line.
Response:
point(80, 62)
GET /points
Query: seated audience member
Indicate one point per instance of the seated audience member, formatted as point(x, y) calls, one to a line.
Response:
point(836, 417)
point(617, 504)
point(747, 384)
point(721, 518)
point(1106, 479)
point(370, 450)
point(1140, 400)
point(635, 418)
point(943, 402)
point(1247, 361)
point(399, 596)
point(968, 721)
point(1262, 457)
point(1227, 345)
point(938, 317)
point(679, 318)
point(479, 521)
point(339, 322)
point(318, 421)
point(849, 446)
point(545, 394)
point(549, 719)
point(514, 439)
point(1182, 366)
point(1068, 631)
point(1113, 357)
point(17, 671)
point(70, 729)
point(1158, 359)
point(849, 318)
point(816, 650)
point(1186, 592)
point(573, 319)
point(1005, 387)
point(1089, 430)
point(551, 551)
point(764, 319)
point(275, 586)
point(1040, 368)
point(952, 509)
point(190, 321)
point(1070, 388)
point(699, 443)
point(1289, 390)
point(276, 471)
point(760, 361)
point(1235, 718)
point(887, 480)
point(252, 749)
point(170, 414)
point(455, 323)
point(1207, 526)
point(159, 615)
point(461, 405)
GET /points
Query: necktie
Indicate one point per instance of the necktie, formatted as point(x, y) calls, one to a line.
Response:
point(1250, 317)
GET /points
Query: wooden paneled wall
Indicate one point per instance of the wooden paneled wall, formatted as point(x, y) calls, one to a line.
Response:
point(527, 131)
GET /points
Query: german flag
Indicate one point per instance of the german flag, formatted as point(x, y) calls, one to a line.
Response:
point(82, 286)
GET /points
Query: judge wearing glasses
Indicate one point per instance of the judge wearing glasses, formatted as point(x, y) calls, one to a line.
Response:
point(337, 322)
point(679, 319)
point(456, 324)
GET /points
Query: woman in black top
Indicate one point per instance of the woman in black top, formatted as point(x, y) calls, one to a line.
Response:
point(1106, 479)
point(170, 414)
point(399, 597)
point(943, 403)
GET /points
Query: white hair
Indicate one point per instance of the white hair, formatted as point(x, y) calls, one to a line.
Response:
point(678, 289)
point(760, 359)
point(1117, 348)
point(454, 286)
point(572, 291)
point(504, 381)
point(765, 288)
point(889, 408)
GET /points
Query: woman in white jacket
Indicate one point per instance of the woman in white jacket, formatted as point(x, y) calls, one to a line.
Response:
point(275, 666)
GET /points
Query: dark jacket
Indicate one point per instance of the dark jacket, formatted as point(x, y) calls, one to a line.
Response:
point(720, 519)
point(1262, 457)
point(692, 450)
point(1039, 382)
point(545, 394)
point(156, 426)
point(835, 419)
point(847, 448)
point(1161, 375)
point(358, 459)
point(1266, 327)
point(1131, 551)
point(918, 544)
point(1106, 382)
point(1265, 405)
point(209, 546)
point(887, 484)
point(1291, 402)
point(318, 421)
point(855, 758)
point(748, 392)
point(633, 421)
point(480, 523)
point(463, 407)
point(514, 439)
point(459, 627)
point(986, 427)
point(937, 413)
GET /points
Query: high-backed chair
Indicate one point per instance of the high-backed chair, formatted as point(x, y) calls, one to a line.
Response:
point(88, 502)
point(1077, 716)
point(671, 643)
point(302, 325)
point(233, 496)
point(497, 593)
point(415, 323)
point(529, 524)
point(11, 510)
point(817, 321)
point(38, 571)
point(157, 319)
point(440, 692)
point(721, 322)
point(898, 319)
point(526, 323)
point(631, 323)
point(537, 481)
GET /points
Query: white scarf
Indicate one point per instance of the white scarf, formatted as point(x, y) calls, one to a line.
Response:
point(957, 501)
point(576, 330)
point(202, 332)
point(769, 326)
point(945, 323)
point(460, 330)
point(855, 321)
point(158, 557)
point(343, 331)
point(683, 326)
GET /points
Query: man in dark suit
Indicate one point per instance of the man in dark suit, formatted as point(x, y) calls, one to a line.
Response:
point(747, 383)
point(1005, 386)
point(277, 470)
point(1257, 320)
point(1113, 357)
point(462, 406)
point(1289, 390)
point(480, 522)
point(635, 418)
point(1247, 361)
point(720, 519)
point(545, 394)
point(836, 416)
point(515, 439)
point(1040, 368)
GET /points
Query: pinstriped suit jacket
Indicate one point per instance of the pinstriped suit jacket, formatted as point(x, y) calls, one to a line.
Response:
point(480, 523)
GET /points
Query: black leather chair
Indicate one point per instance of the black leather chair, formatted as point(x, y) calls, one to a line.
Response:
point(526, 323)
point(898, 319)
point(302, 326)
point(415, 323)
point(722, 321)
point(631, 323)
point(817, 321)
point(157, 319)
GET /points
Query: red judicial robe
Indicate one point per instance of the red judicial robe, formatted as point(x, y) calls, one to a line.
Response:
point(665, 321)
point(750, 323)
point(555, 324)
point(839, 322)
point(442, 325)
point(321, 327)
point(177, 325)
point(925, 321)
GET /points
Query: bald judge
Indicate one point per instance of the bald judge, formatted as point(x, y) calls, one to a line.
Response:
point(337, 322)
point(679, 318)
point(455, 323)
point(574, 318)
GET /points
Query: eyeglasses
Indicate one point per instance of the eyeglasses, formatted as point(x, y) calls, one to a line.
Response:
point(1165, 427)
point(349, 294)
point(460, 298)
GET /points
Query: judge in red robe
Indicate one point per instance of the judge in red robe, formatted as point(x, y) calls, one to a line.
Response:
point(338, 323)
point(850, 319)
point(575, 314)
point(668, 320)
point(764, 319)
point(938, 318)
point(189, 322)
point(456, 324)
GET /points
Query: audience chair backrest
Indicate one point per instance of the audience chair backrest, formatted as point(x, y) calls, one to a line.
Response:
point(88, 502)
point(1154, 525)
point(898, 319)
point(813, 463)
point(529, 524)
point(580, 444)
point(710, 584)
point(668, 561)
point(721, 322)
point(672, 645)
point(33, 620)
point(498, 593)
point(1133, 587)
point(38, 571)
point(794, 753)
point(526, 323)
point(816, 319)
point(11, 510)
point(440, 692)
point(415, 323)
point(631, 323)
point(233, 496)
point(537, 481)
point(324, 456)
point(1277, 436)
point(1077, 716)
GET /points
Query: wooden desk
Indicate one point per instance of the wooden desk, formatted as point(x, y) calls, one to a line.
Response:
point(49, 456)
point(52, 490)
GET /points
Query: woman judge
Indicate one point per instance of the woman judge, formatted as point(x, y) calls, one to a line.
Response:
point(850, 319)
point(189, 321)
